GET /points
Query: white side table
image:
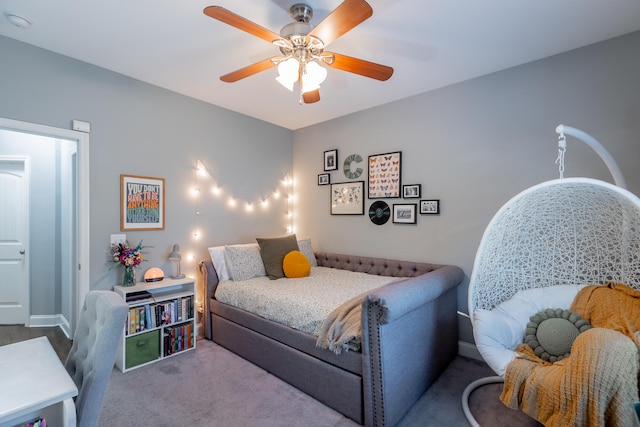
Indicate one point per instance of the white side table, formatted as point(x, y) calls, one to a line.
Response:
point(34, 383)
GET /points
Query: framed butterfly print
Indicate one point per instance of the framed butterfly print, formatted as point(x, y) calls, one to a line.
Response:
point(384, 175)
point(347, 198)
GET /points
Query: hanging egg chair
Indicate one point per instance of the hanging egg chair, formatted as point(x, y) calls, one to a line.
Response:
point(541, 248)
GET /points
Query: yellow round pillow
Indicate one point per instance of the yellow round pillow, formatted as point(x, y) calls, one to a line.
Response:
point(296, 264)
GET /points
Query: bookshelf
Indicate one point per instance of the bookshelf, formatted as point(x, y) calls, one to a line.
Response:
point(160, 323)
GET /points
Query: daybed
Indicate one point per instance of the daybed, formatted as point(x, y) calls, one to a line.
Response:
point(409, 336)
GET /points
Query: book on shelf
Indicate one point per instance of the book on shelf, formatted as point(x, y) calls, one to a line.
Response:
point(149, 318)
point(177, 338)
point(141, 320)
point(131, 321)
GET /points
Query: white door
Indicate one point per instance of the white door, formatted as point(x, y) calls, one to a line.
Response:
point(14, 217)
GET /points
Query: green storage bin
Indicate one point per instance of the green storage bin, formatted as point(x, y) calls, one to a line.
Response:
point(142, 348)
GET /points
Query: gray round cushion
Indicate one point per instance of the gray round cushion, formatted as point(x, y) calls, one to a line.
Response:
point(550, 333)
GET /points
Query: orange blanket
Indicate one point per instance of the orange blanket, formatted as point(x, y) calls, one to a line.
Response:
point(597, 384)
point(612, 306)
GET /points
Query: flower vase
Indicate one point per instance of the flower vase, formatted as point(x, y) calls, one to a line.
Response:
point(129, 276)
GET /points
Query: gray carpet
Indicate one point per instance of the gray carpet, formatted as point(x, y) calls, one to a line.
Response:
point(211, 386)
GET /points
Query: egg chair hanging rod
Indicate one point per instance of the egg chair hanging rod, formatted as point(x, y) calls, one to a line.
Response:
point(563, 130)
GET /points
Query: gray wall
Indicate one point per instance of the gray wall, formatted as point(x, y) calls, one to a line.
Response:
point(140, 129)
point(474, 145)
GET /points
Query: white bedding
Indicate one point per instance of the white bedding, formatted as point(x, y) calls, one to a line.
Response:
point(303, 303)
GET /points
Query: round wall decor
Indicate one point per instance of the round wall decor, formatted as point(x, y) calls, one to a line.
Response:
point(379, 212)
point(347, 166)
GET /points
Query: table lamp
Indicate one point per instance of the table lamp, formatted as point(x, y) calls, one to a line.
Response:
point(175, 256)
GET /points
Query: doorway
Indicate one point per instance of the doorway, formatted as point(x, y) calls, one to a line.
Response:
point(57, 253)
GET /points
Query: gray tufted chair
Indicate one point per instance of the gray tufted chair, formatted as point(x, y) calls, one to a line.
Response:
point(93, 353)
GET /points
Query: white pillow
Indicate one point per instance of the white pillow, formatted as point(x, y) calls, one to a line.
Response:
point(499, 331)
point(219, 262)
point(219, 257)
point(244, 261)
point(305, 247)
point(496, 336)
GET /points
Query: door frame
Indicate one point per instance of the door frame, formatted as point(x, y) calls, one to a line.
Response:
point(82, 224)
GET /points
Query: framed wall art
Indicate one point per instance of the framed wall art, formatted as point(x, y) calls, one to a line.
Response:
point(141, 203)
point(324, 179)
point(384, 175)
point(331, 160)
point(347, 198)
point(411, 191)
point(404, 213)
point(351, 167)
point(430, 207)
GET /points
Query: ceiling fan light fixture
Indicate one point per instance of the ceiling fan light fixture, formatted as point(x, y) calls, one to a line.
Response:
point(288, 72)
point(313, 76)
point(288, 84)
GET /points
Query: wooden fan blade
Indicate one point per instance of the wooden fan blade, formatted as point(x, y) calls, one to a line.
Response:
point(346, 16)
point(247, 71)
point(230, 18)
point(360, 66)
point(311, 97)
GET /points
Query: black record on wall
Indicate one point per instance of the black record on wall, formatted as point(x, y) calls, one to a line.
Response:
point(379, 212)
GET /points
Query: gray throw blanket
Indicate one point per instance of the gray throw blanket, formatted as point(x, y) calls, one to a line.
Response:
point(342, 329)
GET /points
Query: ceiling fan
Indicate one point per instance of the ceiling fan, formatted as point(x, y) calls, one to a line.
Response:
point(302, 46)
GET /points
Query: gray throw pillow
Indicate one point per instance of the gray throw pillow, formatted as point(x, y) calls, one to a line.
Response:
point(550, 333)
point(273, 250)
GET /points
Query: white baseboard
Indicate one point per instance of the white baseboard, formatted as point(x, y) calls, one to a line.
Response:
point(469, 350)
point(65, 326)
point(50, 321)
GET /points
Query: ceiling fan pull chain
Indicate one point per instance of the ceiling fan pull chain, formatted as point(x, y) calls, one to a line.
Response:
point(562, 147)
point(302, 70)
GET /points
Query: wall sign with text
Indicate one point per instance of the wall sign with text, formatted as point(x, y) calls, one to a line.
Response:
point(141, 203)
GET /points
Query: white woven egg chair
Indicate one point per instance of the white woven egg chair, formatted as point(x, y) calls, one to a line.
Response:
point(544, 245)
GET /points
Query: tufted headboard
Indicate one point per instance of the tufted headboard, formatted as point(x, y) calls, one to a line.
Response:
point(377, 266)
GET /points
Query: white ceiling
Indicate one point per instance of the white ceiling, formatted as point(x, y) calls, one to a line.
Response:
point(429, 43)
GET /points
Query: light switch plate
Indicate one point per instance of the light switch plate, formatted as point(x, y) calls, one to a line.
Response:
point(118, 238)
